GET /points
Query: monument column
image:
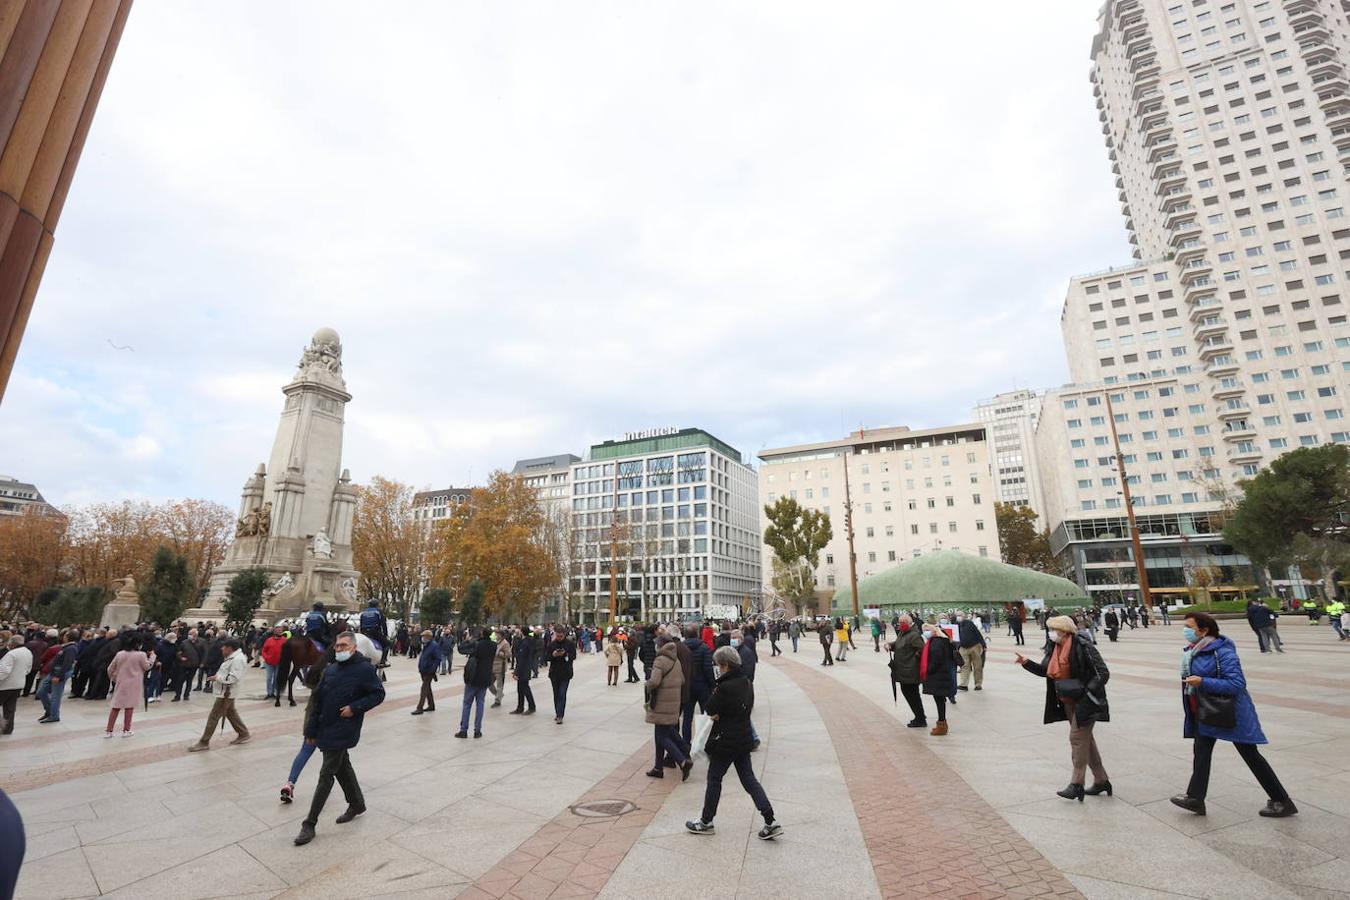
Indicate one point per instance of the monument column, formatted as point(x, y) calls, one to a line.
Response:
point(54, 59)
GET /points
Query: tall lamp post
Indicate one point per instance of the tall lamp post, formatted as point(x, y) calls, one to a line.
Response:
point(1141, 570)
point(848, 528)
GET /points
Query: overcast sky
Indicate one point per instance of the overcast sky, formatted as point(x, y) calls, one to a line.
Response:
point(539, 225)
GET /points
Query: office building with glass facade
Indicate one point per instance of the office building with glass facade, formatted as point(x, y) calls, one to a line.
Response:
point(675, 517)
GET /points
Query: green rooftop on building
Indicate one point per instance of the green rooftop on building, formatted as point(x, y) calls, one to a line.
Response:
point(660, 440)
point(950, 578)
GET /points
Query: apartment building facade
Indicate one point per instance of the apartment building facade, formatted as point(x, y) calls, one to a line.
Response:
point(18, 498)
point(1010, 420)
point(912, 491)
point(1225, 343)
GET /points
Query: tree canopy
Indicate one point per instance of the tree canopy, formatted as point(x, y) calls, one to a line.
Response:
point(243, 597)
point(169, 589)
point(1021, 542)
point(796, 535)
point(1295, 512)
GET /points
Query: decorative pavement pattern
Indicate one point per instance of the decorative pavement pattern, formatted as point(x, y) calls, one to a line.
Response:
point(871, 809)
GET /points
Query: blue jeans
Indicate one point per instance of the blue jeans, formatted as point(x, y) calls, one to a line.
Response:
point(560, 697)
point(152, 684)
point(298, 764)
point(49, 695)
point(472, 695)
point(271, 679)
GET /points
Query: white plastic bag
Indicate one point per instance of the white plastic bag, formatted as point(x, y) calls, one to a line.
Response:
point(702, 727)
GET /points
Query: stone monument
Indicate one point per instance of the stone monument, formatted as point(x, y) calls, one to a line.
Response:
point(295, 515)
point(125, 607)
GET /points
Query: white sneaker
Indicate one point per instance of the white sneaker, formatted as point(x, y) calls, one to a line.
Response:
point(128, 733)
point(107, 734)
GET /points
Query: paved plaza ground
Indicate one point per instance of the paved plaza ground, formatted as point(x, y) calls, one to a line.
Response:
point(870, 808)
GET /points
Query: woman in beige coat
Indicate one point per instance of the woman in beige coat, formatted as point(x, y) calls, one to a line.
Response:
point(664, 689)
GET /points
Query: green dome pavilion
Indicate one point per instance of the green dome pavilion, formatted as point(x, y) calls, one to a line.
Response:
point(949, 579)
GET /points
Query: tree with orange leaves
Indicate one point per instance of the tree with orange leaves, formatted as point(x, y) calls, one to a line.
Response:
point(33, 549)
point(500, 537)
point(388, 546)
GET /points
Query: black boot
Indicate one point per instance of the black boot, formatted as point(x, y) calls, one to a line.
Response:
point(1278, 809)
point(1103, 788)
point(1187, 802)
point(1072, 792)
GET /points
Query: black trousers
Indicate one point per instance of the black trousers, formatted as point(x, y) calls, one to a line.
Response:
point(829, 660)
point(524, 696)
point(717, 767)
point(941, 703)
point(184, 687)
point(426, 699)
point(8, 700)
point(914, 697)
point(80, 681)
point(98, 686)
point(1018, 637)
point(337, 765)
point(632, 673)
point(28, 679)
point(1204, 752)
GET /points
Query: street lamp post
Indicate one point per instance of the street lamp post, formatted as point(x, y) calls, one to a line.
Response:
point(1141, 569)
point(848, 527)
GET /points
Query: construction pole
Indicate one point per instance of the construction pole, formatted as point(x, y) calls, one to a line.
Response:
point(848, 528)
point(1141, 570)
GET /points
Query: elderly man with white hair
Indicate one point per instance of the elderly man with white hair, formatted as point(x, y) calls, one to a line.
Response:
point(14, 668)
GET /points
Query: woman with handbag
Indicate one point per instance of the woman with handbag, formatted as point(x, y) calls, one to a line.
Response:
point(1075, 690)
point(1217, 707)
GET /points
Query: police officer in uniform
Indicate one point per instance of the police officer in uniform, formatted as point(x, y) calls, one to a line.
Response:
point(374, 626)
point(316, 625)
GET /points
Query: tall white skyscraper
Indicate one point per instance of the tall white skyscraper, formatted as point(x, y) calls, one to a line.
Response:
point(1224, 343)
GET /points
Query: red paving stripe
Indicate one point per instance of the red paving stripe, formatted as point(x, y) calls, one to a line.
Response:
point(573, 856)
point(923, 807)
point(42, 776)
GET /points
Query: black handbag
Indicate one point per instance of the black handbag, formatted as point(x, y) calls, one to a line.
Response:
point(1216, 710)
point(1069, 688)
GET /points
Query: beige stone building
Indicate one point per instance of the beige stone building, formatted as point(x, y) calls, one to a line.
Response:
point(912, 492)
point(1011, 418)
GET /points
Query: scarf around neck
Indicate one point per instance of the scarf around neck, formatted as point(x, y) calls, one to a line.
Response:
point(1188, 654)
point(1059, 658)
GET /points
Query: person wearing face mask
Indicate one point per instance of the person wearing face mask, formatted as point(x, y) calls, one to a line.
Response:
point(937, 670)
point(1075, 691)
point(1217, 707)
point(729, 744)
point(347, 690)
point(229, 677)
point(906, 650)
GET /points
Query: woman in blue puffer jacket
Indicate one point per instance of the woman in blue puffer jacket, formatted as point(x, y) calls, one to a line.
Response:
point(1210, 666)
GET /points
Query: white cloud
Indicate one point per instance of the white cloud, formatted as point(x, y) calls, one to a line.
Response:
point(537, 226)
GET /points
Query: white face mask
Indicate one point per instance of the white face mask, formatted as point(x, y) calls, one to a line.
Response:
point(927, 635)
point(1056, 636)
point(343, 655)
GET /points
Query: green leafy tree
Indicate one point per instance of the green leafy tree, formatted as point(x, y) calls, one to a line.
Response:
point(471, 607)
point(1295, 512)
point(69, 606)
point(168, 591)
point(435, 607)
point(796, 535)
point(243, 597)
point(1022, 543)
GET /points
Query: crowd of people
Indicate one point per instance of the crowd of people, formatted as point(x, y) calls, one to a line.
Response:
point(685, 669)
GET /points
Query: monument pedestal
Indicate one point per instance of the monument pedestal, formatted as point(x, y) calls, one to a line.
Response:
point(120, 615)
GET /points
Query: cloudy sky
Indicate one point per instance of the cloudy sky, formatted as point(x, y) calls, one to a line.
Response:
point(539, 225)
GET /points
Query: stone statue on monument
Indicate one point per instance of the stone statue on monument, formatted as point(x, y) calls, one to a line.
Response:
point(248, 525)
point(264, 520)
point(322, 547)
point(126, 590)
point(283, 584)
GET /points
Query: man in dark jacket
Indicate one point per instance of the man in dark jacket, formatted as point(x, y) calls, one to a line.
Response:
point(477, 677)
point(37, 645)
point(647, 653)
point(53, 686)
point(98, 686)
point(428, 665)
point(562, 653)
point(84, 662)
point(701, 677)
point(1015, 623)
point(189, 658)
point(214, 656)
point(524, 653)
point(348, 689)
point(972, 651)
point(632, 637)
point(376, 627)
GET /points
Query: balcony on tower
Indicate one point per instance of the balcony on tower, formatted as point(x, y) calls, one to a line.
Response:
point(1173, 214)
point(1209, 326)
point(1214, 346)
point(1221, 365)
point(1189, 250)
point(1226, 388)
point(1234, 413)
point(1246, 451)
point(1204, 306)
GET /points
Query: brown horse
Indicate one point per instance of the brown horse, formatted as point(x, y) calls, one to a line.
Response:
point(298, 654)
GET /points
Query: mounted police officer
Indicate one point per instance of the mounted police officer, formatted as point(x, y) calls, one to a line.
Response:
point(316, 626)
point(375, 627)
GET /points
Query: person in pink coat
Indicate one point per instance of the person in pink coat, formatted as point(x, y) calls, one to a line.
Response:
point(127, 672)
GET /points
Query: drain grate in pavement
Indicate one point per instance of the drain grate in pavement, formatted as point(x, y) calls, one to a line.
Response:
point(603, 809)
